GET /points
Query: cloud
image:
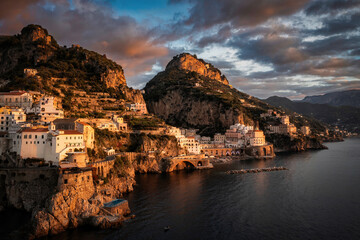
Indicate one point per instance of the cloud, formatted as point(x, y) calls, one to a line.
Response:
point(93, 26)
point(330, 6)
point(208, 13)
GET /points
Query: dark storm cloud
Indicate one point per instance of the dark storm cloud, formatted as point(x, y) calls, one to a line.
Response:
point(208, 13)
point(222, 34)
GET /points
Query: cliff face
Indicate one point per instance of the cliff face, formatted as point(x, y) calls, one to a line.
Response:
point(284, 143)
point(35, 48)
point(189, 111)
point(187, 98)
point(191, 63)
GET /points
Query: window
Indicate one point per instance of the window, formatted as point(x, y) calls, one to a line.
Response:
point(29, 136)
point(25, 136)
point(26, 143)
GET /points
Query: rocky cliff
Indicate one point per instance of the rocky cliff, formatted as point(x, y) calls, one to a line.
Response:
point(191, 97)
point(191, 63)
point(34, 48)
point(284, 143)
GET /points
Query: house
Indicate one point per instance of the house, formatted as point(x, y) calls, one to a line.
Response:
point(119, 121)
point(285, 120)
point(30, 72)
point(10, 116)
point(219, 138)
point(139, 108)
point(47, 110)
point(88, 133)
point(305, 130)
point(255, 138)
point(19, 99)
point(43, 143)
point(289, 129)
point(65, 123)
point(75, 159)
point(190, 144)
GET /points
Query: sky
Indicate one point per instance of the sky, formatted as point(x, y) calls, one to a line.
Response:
point(289, 48)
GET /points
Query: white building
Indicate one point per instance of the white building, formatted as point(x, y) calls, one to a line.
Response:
point(10, 116)
point(190, 144)
point(88, 133)
point(47, 110)
point(42, 143)
point(20, 99)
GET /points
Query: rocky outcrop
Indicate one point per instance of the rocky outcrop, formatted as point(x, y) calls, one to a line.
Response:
point(285, 143)
point(78, 202)
point(132, 95)
point(188, 62)
point(113, 78)
point(189, 94)
point(180, 109)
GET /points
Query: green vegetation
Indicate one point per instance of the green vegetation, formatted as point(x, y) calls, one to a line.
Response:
point(147, 123)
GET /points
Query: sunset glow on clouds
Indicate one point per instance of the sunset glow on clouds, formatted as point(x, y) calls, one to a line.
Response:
point(287, 48)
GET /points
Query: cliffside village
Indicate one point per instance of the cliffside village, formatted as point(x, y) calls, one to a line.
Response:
point(33, 127)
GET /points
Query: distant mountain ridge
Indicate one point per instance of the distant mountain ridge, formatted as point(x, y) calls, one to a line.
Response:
point(344, 98)
point(344, 116)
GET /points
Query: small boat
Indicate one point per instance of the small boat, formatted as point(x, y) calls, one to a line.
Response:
point(167, 228)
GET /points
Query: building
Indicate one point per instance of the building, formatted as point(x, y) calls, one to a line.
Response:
point(30, 72)
point(285, 120)
point(269, 113)
point(173, 131)
point(47, 110)
point(20, 99)
point(75, 159)
point(283, 129)
point(255, 138)
point(190, 144)
point(119, 121)
point(10, 116)
point(188, 132)
point(65, 123)
point(204, 140)
point(139, 108)
point(42, 143)
point(305, 130)
point(216, 152)
point(219, 138)
point(88, 133)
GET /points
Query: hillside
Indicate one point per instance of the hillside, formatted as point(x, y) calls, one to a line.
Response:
point(345, 117)
point(345, 98)
point(61, 71)
point(186, 96)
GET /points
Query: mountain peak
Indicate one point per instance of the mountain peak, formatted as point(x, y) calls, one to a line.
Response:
point(188, 62)
point(33, 33)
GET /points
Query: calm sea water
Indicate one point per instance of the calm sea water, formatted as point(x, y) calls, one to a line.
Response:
point(318, 198)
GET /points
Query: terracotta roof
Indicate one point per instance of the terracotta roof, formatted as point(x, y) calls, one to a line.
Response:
point(70, 132)
point(13, 93)
point(83, 123)
point(35, 130)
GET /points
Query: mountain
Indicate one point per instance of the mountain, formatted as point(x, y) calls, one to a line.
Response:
point(191, 93)
point(61, 71)
point(345, 98)
point(345, 116)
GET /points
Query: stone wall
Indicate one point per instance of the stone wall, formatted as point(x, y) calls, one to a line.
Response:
point(26, 188)
point(260, 151)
